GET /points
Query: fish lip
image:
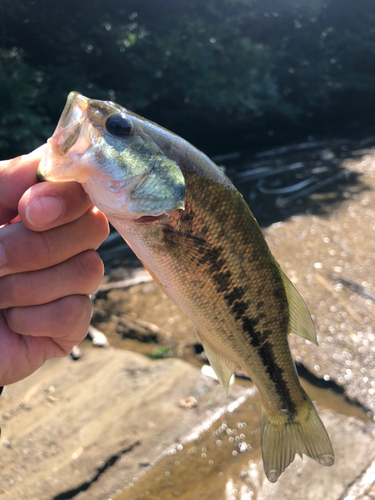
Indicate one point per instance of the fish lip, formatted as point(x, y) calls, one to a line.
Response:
point(69, 141)
point(74, 100)
point(70, 124)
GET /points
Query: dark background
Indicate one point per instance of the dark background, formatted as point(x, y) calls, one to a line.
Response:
point(224, 74)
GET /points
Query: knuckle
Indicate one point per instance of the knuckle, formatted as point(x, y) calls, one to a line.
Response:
point(14, 319)
point(96, 226)
point(13, 289)
point(75, 314)
point(45, 249)
point(91, 269)
point(76, 309)
point(41, 249)
point(102, 226)
point(83, 312)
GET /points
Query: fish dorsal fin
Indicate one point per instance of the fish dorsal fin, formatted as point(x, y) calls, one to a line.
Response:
point(300, 322)
point(221, 364)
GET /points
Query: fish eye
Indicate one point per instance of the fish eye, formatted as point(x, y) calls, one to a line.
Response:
point(118, 125)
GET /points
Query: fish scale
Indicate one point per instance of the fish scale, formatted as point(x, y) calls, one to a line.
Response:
point(197, 237)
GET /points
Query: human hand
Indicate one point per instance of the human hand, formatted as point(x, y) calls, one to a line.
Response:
point(48, 266)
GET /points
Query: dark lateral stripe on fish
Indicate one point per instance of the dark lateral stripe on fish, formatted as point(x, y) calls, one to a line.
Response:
point(223, 279)
point(259, 340)
point(275, 372)
point(239, 308)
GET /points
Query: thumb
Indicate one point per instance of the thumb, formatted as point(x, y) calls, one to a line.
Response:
point(16, 176)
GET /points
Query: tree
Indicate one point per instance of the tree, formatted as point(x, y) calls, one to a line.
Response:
point(217, 68)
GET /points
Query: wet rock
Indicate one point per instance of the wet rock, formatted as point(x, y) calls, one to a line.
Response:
point(224, 462)
point(330, 260)
point(85, 429)
point(140, 331)
point(364, 487)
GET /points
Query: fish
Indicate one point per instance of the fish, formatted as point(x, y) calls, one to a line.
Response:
point(195, 234)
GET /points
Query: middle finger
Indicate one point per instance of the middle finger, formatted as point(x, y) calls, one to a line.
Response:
point(26, 250)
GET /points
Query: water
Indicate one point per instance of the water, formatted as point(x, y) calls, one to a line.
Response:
point(220, 460)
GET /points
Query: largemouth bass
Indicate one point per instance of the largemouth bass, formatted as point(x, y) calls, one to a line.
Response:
point(195, 234)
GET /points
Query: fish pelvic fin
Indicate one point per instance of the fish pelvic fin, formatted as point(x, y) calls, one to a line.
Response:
point(300, 322)
point(284, 435)
point(221, 364)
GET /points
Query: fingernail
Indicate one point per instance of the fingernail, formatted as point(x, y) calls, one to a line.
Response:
point(43, 211)
point(2, 257)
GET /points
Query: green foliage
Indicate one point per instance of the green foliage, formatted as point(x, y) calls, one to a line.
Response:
point(22, 124)
point(160, 353)
point(221, 63)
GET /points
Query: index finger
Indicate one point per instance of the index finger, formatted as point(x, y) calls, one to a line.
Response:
point(16, 176)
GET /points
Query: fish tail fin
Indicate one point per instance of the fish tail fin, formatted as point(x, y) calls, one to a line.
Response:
point(285, 435)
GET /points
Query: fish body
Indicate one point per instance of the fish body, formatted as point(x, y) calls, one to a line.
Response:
point(197, 237)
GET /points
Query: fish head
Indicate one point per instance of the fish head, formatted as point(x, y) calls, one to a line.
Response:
point(110, 151)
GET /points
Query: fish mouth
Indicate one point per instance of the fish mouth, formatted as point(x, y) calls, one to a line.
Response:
point(70, 124)
point(71, 135)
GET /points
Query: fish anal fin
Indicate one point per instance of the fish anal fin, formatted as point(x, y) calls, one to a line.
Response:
point(300, 322)
point(221, 364)
point(283, 436)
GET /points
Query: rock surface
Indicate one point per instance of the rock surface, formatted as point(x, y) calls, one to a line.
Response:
point(88, 429)
point(73, 426)
point(244, 479)
point(331, 260)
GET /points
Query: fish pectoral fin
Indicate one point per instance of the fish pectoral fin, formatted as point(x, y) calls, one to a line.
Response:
point(221, 364)
point(193, 252)
point(300, 322)
point(283, 436)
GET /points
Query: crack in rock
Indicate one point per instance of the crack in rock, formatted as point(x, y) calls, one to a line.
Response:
point(71, 494)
